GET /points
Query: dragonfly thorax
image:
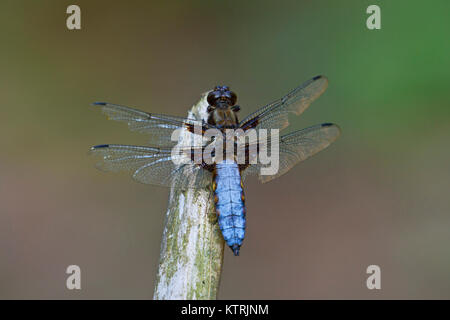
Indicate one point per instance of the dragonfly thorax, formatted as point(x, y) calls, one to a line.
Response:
point(223, 118)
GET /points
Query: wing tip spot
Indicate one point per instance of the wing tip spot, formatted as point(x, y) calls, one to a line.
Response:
point(100, 146)
point(335, 126)
point(99, 103)
point(321, 77)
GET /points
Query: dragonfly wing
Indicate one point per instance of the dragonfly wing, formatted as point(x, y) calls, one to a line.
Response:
point(275, 114)
point(160, 127)
point(296, 147)
point(157, 166)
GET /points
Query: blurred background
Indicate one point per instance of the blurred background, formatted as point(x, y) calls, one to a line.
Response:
point(379, 195)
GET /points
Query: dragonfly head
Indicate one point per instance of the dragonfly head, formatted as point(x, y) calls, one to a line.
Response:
point(221, 95)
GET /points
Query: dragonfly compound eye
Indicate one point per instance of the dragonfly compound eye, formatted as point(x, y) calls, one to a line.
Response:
point(213, 96)
point(233, 98)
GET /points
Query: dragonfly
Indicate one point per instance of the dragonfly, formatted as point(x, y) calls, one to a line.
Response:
point(155, 164)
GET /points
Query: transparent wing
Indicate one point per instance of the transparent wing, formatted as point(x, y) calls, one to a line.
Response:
point(275, 114)
point(296, 147)
point(153, 165)
point(160, 127)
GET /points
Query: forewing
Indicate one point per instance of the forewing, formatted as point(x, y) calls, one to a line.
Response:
point(296, 147)
point(160, 127)
point(275, 115)
point(155, 166)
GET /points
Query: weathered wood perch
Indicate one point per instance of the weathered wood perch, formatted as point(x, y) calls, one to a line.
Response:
point(192, 244)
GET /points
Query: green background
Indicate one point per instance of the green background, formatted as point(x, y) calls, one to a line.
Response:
point(379, 195)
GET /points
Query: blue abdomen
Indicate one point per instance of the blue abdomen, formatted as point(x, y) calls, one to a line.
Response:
point(229, 201)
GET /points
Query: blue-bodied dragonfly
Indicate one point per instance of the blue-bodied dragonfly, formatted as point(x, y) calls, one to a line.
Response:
point(155, 164)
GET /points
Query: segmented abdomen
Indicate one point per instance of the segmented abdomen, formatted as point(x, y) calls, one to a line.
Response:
point(229, 201)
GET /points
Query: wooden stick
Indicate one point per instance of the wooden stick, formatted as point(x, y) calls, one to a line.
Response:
point(192, 245)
